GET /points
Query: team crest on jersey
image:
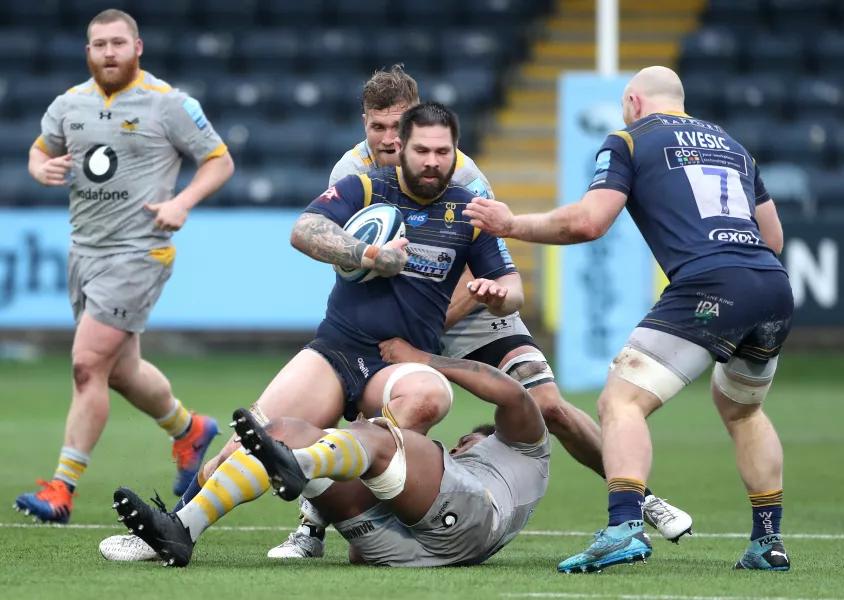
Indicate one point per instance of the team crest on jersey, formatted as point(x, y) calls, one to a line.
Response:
point(450, 207)
point(130, 125)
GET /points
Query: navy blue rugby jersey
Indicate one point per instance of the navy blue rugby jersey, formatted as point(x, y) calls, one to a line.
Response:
point(692, 191)
point(411, 305)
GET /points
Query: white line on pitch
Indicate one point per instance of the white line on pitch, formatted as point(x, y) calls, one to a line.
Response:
point(647, 597)
point(786, 535)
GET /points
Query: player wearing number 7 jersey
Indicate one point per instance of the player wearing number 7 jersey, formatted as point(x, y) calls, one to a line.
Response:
point(697, 198)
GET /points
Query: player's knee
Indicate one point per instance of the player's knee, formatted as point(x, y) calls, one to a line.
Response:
point(88, 366)
point(421, 409)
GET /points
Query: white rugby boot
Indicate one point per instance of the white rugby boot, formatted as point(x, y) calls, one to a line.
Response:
point(129, 548)
point(300, 544)
point(669, 520)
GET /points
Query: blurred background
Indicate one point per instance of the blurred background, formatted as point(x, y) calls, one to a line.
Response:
point(281, 81)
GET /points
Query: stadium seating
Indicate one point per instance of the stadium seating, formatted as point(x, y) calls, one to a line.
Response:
point(772, 73)
point(280, 79)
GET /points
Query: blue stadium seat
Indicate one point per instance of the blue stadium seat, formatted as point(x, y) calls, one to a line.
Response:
point(431, 13)
point(340, 139)
point(354, 13)
point(173, 16)
point(241, 93)
point(270, 51)
point(32, 95)
point(498, 13)
point(749, 132)
point(18, 188)
point(805, 143)
point(764, 97)
point(17, 138)
point(158, 53)
point(306, 96)
point(819, 98)
point(789, 186)
point(703, 100)
point(776, 54)
point(219, 15)
point(800, 16)
point(19, 51)
point(66, 55)
point(78, 13)
point(739, 16)
point(204, 52)
point(332, 50)
point(290, 13)
point(472, 48)
point(829, 54)
point(33, 13)
point(826, 189)
point(416, 49)
point(710, 51)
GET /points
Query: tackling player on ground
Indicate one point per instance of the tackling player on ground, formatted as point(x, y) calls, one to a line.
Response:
point(472, 331)
point(121, 135)
point(455, 508)
point(697, 198)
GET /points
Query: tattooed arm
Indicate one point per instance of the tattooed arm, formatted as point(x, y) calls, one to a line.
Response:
point(517, 415)
point(324, 240)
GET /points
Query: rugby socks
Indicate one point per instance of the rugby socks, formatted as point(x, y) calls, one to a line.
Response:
point(767, 512)
point(72, 464)
point(241, 478)
point(176, 422)
point(626, 499)
point(193, 489)
point(338, 455)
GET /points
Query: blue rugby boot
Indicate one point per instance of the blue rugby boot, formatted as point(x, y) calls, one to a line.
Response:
point(765, 554)
point(619, 544)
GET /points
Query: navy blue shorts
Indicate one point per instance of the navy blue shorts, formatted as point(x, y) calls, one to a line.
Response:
point(354, 366)
point(731, 312)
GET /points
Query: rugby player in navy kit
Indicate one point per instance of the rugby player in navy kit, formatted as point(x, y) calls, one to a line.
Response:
point(697, 198)
point(342, 371)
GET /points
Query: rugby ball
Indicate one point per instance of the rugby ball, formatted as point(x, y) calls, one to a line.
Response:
point(376, 224)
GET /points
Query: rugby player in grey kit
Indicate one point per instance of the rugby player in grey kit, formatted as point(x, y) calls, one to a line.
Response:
point(121, 136)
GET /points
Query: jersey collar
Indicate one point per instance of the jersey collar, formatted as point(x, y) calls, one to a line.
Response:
point(677, 113)
point(410, 194)
point(108, 99)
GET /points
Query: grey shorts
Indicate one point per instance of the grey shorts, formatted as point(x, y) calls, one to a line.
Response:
point(456, 530)
point(480, 328)
point(119, 290)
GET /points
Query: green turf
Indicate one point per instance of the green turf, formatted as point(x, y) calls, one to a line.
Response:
point(693, 467)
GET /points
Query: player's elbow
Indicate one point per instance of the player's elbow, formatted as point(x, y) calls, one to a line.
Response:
point(590, 231)
point(224, 165)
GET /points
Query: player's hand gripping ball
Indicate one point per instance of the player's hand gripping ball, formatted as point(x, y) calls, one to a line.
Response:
point(382, 226)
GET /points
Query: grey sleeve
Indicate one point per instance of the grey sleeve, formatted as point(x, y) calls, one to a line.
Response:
point(345, 166)
point(476, 182)
point(52, 138)
point(188, 129)
point(542, 449)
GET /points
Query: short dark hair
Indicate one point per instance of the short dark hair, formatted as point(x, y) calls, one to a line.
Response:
point(487, 429)
point(389, 88)
point(111, 15)
point(428, 114)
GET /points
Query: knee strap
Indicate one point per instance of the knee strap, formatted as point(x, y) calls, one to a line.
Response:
point(645, 372)
point(390, 483)
point(739, 392)
point(529, 369)
point(407, 369)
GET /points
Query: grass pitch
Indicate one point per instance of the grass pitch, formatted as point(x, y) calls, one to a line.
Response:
point(693, 468)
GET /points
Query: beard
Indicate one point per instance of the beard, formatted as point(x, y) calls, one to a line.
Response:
point(423, 189)
point(114, 81)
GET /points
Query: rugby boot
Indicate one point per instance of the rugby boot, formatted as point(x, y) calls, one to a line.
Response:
point(286, 476)
point(190, 450)
point(766, 553)
point(162, 531)
point(615, 545)
point(300, 544)
point(669, 520)
point(52, 504)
